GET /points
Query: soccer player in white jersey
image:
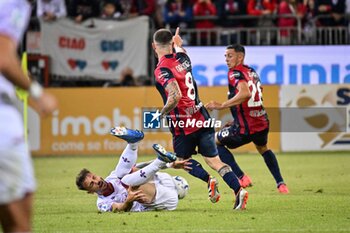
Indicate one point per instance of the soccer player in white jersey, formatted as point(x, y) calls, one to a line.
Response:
point(17, 183)
point(128, 188)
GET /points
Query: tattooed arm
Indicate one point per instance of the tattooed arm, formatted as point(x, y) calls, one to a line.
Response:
point(174, 96)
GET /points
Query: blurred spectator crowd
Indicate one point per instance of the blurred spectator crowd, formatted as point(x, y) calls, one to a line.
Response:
point(206, 14)
point(212, 22)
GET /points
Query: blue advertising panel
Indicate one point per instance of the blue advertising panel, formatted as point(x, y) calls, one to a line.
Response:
point(276, 65)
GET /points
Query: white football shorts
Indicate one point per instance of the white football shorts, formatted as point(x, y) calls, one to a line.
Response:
point(166, 196)
point(16, 169)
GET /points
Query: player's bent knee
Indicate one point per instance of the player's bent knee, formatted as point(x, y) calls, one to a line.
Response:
point(261, 149)
point(224, 170)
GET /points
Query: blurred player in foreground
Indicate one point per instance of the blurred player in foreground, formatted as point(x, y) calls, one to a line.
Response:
point(17, 182)
point(129, 188)
point(251, 123)
point(182, 107)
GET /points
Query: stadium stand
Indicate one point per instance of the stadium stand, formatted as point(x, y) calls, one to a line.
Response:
point(290, 23)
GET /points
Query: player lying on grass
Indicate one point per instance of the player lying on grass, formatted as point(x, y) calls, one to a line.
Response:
point(128, 188)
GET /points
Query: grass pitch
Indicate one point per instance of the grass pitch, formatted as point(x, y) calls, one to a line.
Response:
point(319, 200)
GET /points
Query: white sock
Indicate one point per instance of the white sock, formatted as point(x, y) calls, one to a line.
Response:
point(134, 146)
point(127, 160)
point(143, 175)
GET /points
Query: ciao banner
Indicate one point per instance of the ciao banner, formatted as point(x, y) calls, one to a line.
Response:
point(100, 50)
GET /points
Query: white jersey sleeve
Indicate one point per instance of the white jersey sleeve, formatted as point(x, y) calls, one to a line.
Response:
point(14, 16)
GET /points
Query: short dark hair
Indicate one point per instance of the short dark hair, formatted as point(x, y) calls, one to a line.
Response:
point(163, 36)
point(237, 47)
point(81, 178)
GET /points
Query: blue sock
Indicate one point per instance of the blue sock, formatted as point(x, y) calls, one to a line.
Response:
point(272, 164)
point(227, 157)
point(232, 181)
point(198, 171)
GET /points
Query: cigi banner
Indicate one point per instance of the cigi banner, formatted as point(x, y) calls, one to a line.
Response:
point(97, 48)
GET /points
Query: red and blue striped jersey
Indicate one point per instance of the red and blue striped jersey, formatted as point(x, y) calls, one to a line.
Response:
point(250, 114)
point(177, 67)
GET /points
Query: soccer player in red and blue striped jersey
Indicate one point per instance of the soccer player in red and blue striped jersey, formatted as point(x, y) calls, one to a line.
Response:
point(251, 123)
point(187, 115)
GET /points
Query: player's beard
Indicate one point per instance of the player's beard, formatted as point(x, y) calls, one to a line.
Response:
point(102, 184)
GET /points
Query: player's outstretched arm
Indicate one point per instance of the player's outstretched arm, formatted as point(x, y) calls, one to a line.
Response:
point(10, 67)
point(243, 95)
point(181, 164)
point(178, 42)
point(214, 105)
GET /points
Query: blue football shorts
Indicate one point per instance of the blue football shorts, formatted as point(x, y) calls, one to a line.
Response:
point(231, 137)
point(203, 139)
